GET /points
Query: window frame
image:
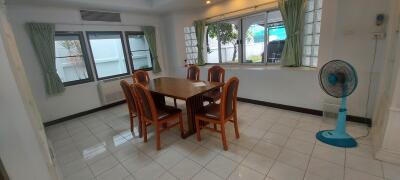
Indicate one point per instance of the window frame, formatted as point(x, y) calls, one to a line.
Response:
point(84, 55)
point(120, 33)
point(127, 33)
point(241, 43)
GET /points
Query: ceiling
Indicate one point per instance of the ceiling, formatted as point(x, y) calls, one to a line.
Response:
point(150, 6)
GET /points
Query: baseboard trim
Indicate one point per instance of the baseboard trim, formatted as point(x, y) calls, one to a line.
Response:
point(388, 156)
point(252, 101)
point(303, 110)
point(84, 113)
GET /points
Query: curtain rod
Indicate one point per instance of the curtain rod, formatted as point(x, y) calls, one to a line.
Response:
point(98, 24)
point(231, 12)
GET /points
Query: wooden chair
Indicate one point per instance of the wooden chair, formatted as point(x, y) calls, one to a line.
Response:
point(140, 76)
point(215, 74)
point(159, 116)
point(130, 101)
point(221, 113)
point(193, 72)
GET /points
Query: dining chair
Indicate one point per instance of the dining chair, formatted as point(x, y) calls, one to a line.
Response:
point(130, 101)
point(193, 72)
point(159, 116)
point(221, 113)
point(215, 74)
point(140, 76)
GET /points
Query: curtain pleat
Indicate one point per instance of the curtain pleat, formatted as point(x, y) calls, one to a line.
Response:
point(150, 35)
point(199, 26)
point(293, 12)
point(42, 36)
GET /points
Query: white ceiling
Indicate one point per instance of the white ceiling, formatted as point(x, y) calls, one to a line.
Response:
point(150, 6)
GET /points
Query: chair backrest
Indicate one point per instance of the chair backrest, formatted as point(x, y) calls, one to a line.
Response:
point(145, 102)
point(130, 100)
point(216, 74)
point(193, 72)
point(140, 76)
point(229, 97)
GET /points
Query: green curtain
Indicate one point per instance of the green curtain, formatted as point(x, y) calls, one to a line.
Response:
point(293, 12)
point(200, 26)
point(42, 36)
point(150, 35)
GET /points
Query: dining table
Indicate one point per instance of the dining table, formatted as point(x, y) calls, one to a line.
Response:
point(190, 91)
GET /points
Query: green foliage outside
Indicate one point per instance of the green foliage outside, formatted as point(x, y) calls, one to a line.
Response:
point(226, 33)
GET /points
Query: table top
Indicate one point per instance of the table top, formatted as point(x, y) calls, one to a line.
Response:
point(180, 88)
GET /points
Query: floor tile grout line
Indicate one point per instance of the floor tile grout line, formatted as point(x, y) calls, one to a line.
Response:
point(218, 152)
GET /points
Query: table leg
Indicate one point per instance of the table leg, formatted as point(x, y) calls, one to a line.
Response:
point(193, 105)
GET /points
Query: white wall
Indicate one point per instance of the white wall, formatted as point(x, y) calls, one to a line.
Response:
point(23, 147)
point(76, 98)
point(346, 33)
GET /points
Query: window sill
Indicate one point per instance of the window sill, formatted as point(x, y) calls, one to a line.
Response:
point(256, 67)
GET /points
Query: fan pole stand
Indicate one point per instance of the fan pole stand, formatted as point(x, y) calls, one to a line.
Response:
point(338, 137)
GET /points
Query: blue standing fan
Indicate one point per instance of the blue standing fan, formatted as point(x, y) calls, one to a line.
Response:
point(338, 79)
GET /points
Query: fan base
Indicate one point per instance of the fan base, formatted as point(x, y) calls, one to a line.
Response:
point(334, 138)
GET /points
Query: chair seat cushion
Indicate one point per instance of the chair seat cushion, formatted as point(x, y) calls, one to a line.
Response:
point(211, 111)
point(164, 112)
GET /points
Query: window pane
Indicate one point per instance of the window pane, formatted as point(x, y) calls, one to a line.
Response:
point(307, 51)
point(229, 34)
point(316, 39)
point(317, 27)
point(306, 61)
point(318, 14)
point(254, 38)
point(308, 29)
point(276, 42)
point(70, 62)
point(310, 5)
point(108, 53)
point(212, 44)
point(314, 62)
point(315, 50)
point(309, 17)
point(308, 40)
point(140, 52)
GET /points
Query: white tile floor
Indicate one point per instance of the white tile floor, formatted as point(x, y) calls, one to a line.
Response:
point(274, 145)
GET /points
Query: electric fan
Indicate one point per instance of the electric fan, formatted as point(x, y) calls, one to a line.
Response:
point(338, 79)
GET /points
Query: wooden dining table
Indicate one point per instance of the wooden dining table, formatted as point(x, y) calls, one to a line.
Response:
point(187, 90)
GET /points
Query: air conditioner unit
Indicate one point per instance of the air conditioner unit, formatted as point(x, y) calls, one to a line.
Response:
point(89, 15)
point(110, 91)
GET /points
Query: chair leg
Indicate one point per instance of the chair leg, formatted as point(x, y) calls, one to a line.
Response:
point(223, 136)
point(181, 125)
point(215, 127)
point(198, 129)
point(131, 120)
point(158, 143)
point(140, 127)
point(144, 127)
point(235, 124)
point(175, 103)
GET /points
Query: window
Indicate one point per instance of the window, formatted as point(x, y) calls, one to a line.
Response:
point(191, 45)
point(312, 32)
point(139, 51)
point(223, 42)
point(246, 39)
point(71, 61)
point(108, 54)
